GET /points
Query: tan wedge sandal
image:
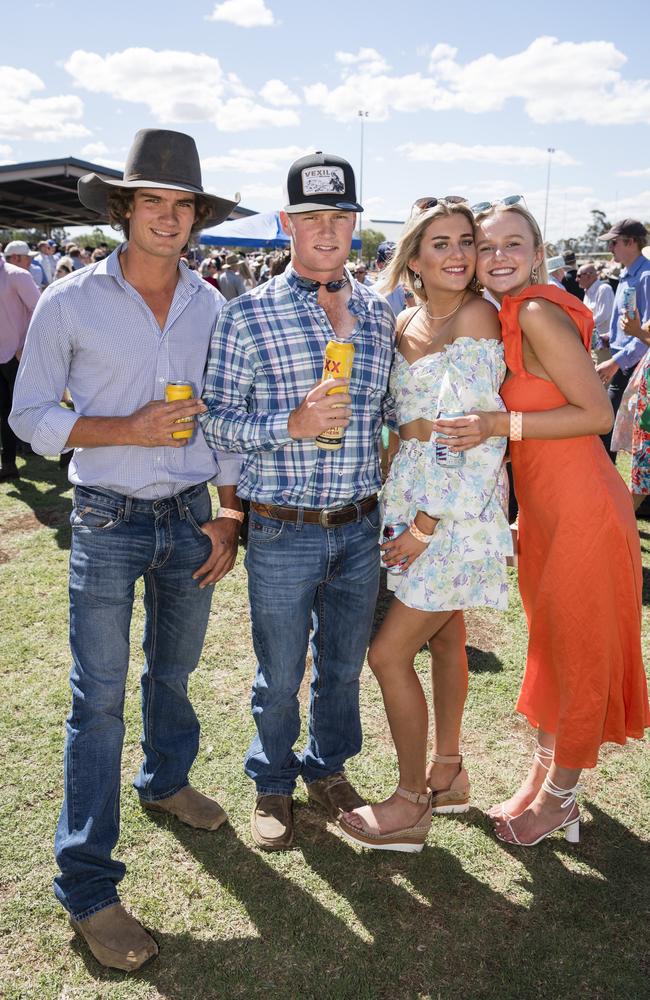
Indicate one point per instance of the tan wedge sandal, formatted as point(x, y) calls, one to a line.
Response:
point(454, 799)
point(410, 839)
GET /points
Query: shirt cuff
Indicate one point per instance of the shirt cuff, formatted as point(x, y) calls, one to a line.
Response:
point(53, 430)
point(229, 469)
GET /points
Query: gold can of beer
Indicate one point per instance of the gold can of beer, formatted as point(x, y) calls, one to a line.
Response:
point(173, 392)
point(339, 357)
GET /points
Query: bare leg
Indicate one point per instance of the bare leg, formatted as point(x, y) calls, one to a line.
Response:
point(449, 683)
point(546, 812)
point(532, 783)
point(391, 657)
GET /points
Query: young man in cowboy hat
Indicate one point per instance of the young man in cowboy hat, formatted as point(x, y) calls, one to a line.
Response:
point(115, 333)
point(312, 557)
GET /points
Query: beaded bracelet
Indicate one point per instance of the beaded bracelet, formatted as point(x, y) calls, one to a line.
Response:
point(516, 425)
point(420, 535)
point(237, 515)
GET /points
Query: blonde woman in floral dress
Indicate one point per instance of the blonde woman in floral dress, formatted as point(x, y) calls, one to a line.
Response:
point(449, 359)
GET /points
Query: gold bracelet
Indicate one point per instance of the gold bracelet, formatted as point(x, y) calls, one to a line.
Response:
point(516, 425)
point(236, 515)
point(420, 535)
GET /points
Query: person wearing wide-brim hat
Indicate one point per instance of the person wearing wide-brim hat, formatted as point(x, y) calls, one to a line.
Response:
point(117, 332)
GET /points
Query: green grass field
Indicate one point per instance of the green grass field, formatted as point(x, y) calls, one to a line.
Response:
point(467, 918)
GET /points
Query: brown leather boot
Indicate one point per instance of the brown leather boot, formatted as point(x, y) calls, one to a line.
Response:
point(335, 794)
point(116, 939)
point(272, 822)
point(190, 807)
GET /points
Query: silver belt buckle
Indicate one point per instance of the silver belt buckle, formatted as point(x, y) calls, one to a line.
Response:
point(323, 517)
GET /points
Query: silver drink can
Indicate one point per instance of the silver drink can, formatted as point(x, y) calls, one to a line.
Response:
point(629, 301)
point(393, 531)
point(444, 455)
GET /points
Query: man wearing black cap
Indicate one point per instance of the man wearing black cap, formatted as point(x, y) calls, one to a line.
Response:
point(312, 559)
point(570, 278)
point(626, 240)
point(396, 299)
point(115, 333)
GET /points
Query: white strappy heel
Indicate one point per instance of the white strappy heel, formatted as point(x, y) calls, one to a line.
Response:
point(570, 824)
point(541, 754)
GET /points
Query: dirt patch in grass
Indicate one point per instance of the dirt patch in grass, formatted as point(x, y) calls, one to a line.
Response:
point(5, 557)
point(46, 517)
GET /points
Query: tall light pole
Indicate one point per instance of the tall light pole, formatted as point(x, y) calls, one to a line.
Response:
point(362, 116)
point(550, 152)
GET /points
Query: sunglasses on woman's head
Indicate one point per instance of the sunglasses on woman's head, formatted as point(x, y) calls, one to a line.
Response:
point(484, 206)
point(424, 204)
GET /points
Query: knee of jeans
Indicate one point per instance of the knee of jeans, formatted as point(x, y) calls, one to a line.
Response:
point(275, 695)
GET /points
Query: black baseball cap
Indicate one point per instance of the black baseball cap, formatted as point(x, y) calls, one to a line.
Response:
point(385, 251)
point(626, 227)
point(321, 181)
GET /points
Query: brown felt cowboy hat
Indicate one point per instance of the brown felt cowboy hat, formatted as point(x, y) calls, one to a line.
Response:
point(158, 158)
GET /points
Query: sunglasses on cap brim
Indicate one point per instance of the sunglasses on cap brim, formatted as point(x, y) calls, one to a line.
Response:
point(485, 206)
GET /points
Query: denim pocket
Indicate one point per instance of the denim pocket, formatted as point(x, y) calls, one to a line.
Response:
point(264, 529)
point(95, 518)
point(201, 514)
point(372, 519)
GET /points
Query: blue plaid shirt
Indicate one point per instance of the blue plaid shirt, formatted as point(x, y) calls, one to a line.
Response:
point(267, 352)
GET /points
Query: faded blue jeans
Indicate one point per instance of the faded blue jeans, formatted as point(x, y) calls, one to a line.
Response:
point(115, 541)
point(318, 586)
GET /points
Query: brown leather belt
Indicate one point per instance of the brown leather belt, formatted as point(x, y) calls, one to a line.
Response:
point(327, 517)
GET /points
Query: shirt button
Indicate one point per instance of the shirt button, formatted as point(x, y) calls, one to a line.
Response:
point(161, 379)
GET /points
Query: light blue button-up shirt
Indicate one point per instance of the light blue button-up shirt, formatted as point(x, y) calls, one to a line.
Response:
point(627, 351)
point(94, 333)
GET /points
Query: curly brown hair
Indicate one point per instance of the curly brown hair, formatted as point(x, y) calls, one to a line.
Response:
point(120, 201)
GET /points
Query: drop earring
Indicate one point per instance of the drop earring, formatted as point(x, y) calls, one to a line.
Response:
point(417, 281)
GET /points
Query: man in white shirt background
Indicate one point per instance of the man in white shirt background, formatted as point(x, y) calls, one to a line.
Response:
point(599, 297)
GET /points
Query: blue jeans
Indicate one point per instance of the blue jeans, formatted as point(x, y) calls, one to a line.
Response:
point(306, 579)
point(115, 541)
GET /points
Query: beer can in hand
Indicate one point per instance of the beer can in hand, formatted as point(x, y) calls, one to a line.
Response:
point(390, 532)
point(629, 301)
point(339, 357)
point(173, 392)
point(443, 453)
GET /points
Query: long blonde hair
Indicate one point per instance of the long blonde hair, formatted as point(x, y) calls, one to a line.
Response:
point(408, 246)
point(538, 239)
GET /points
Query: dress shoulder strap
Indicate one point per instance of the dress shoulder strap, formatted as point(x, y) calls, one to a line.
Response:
point(404, 328)
point(580, 315)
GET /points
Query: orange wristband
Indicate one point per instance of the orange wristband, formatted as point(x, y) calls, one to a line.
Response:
point(516, 425)
point(236, 515)
point(420, 535)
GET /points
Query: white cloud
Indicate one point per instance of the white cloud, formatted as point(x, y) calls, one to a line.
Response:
point(556, 81)
point(177, 87)
point(255, 161)
point(43, 119)
point(451, 152)
point(368, 60)
point(93, 149)
point(263, 192)
point(277, 93)
point(5, 151)
point(642, 172)
point(243, 13)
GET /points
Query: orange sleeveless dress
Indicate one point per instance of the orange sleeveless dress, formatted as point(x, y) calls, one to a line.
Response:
point(580, 573)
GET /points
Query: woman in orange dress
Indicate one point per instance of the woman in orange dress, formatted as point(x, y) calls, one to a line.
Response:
point(580, 571)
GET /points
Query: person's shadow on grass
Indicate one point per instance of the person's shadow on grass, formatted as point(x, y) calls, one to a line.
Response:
point(50, 507)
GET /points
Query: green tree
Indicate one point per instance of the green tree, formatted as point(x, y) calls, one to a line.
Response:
point(370, 240)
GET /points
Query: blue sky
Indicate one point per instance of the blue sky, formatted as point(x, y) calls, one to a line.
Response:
point(462, 97)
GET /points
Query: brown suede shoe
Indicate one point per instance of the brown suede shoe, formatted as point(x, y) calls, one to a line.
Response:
point(272, 822)
point(335, 794)
point(116, 939)
point(190, 807)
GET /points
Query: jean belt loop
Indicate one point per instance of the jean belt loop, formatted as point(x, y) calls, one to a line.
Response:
point(181, 505)
point(128, 504)
point(357, 507)
point(300, 518)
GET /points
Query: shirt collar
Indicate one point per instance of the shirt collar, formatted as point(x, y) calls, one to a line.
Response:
point(189, 281)
point(635, 266)
point(357, 303)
